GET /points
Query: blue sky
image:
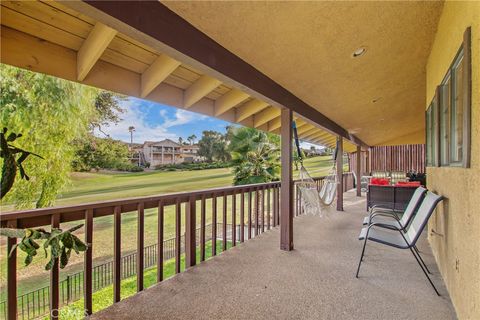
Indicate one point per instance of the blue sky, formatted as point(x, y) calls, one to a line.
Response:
point(155, 122)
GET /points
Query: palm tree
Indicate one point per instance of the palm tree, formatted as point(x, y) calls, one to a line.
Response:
point(180, 140)
point(191, 139)
point(131, 129)
point(255, 158)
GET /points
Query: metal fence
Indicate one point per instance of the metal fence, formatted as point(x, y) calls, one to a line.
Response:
point(35, 304)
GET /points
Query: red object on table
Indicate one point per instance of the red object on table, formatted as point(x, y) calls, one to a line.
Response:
point(379, 182)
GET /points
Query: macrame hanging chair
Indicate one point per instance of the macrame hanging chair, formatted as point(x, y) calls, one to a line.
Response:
point(314, 200)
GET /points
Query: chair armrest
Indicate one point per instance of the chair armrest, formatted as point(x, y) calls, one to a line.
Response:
point(385, 226)
point(382, 214)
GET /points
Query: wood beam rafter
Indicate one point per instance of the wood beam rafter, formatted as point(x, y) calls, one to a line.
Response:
point(229, 100)
point(312, 134)
point(158, 71)
point(274, 124)
point(265, 116)
point(178, 37)
point(199, 89)
point(306, 128)
point(92, 48)
point(250, 108)
point(321, 135)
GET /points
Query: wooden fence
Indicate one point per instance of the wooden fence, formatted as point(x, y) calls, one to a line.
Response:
point(391, 158)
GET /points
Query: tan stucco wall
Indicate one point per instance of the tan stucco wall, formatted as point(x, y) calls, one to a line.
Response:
point(457, 249)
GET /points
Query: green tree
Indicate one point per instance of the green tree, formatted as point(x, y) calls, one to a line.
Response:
point(100, 153)
point(50, 113)
point(107, 110)
point(191, 139)
point(213, 146)
point(255, 156)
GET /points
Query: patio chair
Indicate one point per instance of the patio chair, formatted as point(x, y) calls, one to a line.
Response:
point(391, 217)
point(401, 238)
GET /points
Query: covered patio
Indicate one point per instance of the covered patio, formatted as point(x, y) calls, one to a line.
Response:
point(353, 76)
point(317, 280)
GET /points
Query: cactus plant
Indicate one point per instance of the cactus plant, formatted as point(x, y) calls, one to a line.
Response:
point(60, 243)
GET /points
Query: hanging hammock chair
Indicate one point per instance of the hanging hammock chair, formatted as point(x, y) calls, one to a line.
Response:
point(314, 200)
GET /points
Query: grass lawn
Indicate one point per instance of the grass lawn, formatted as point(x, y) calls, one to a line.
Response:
point(89, 187)
point(104, 297)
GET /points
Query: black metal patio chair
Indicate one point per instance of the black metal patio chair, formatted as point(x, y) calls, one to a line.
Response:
point(402, 238)
point(391, 217)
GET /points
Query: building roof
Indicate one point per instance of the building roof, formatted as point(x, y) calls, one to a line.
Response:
point(164, 143)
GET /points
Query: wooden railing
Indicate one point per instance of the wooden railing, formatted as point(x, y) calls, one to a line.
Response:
point(256, 207)
point(253, 208)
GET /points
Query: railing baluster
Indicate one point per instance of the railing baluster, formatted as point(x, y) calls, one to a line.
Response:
point(161, 213)
point(224, 225)
point(278, 205)
point(249, 214)
point(202, 229)
point(87, 278)
point(214, 224)
point(257, 208)
point(275, 206)
point(262, 200)
point(242, 216)
point(140, 244)
point(117, 252)
point(234, 213)
point(190, 232)
point(12, 274)
point(178, 230)
point(268, 208)
point(54, 275)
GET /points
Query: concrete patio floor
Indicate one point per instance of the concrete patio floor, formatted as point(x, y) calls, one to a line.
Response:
point(256, 280)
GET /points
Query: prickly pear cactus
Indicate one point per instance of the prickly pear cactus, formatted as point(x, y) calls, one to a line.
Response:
point(60, 243)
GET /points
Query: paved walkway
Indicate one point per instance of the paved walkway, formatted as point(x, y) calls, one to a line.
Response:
point(315, 281)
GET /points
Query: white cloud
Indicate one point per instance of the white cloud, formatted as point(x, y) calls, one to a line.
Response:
point(181, 117)
point(143, 130)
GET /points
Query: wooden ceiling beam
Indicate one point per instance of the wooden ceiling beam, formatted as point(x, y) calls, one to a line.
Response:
point(93, 48)
point(305, 128)
point(265, 116)
point(158, 71)
point(229, 100)
point(312, 135)
point(274, 124)
point(328, 141)
point(249, 108)
point(321, 134)
point(163, 28)
point(307, 134)
point(300, 123)
point(199, 89)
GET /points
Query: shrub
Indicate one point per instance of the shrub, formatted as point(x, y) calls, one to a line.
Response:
point(193, 166)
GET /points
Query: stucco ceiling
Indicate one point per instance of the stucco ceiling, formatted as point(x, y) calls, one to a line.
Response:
point(307, 47)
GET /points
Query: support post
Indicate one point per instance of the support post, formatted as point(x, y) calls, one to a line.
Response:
point(358, 170)
point(340, 174)
point(286, 189)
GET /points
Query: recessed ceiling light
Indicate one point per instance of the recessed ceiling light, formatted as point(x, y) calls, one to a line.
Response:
point(359, 52)
point(376, 99)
